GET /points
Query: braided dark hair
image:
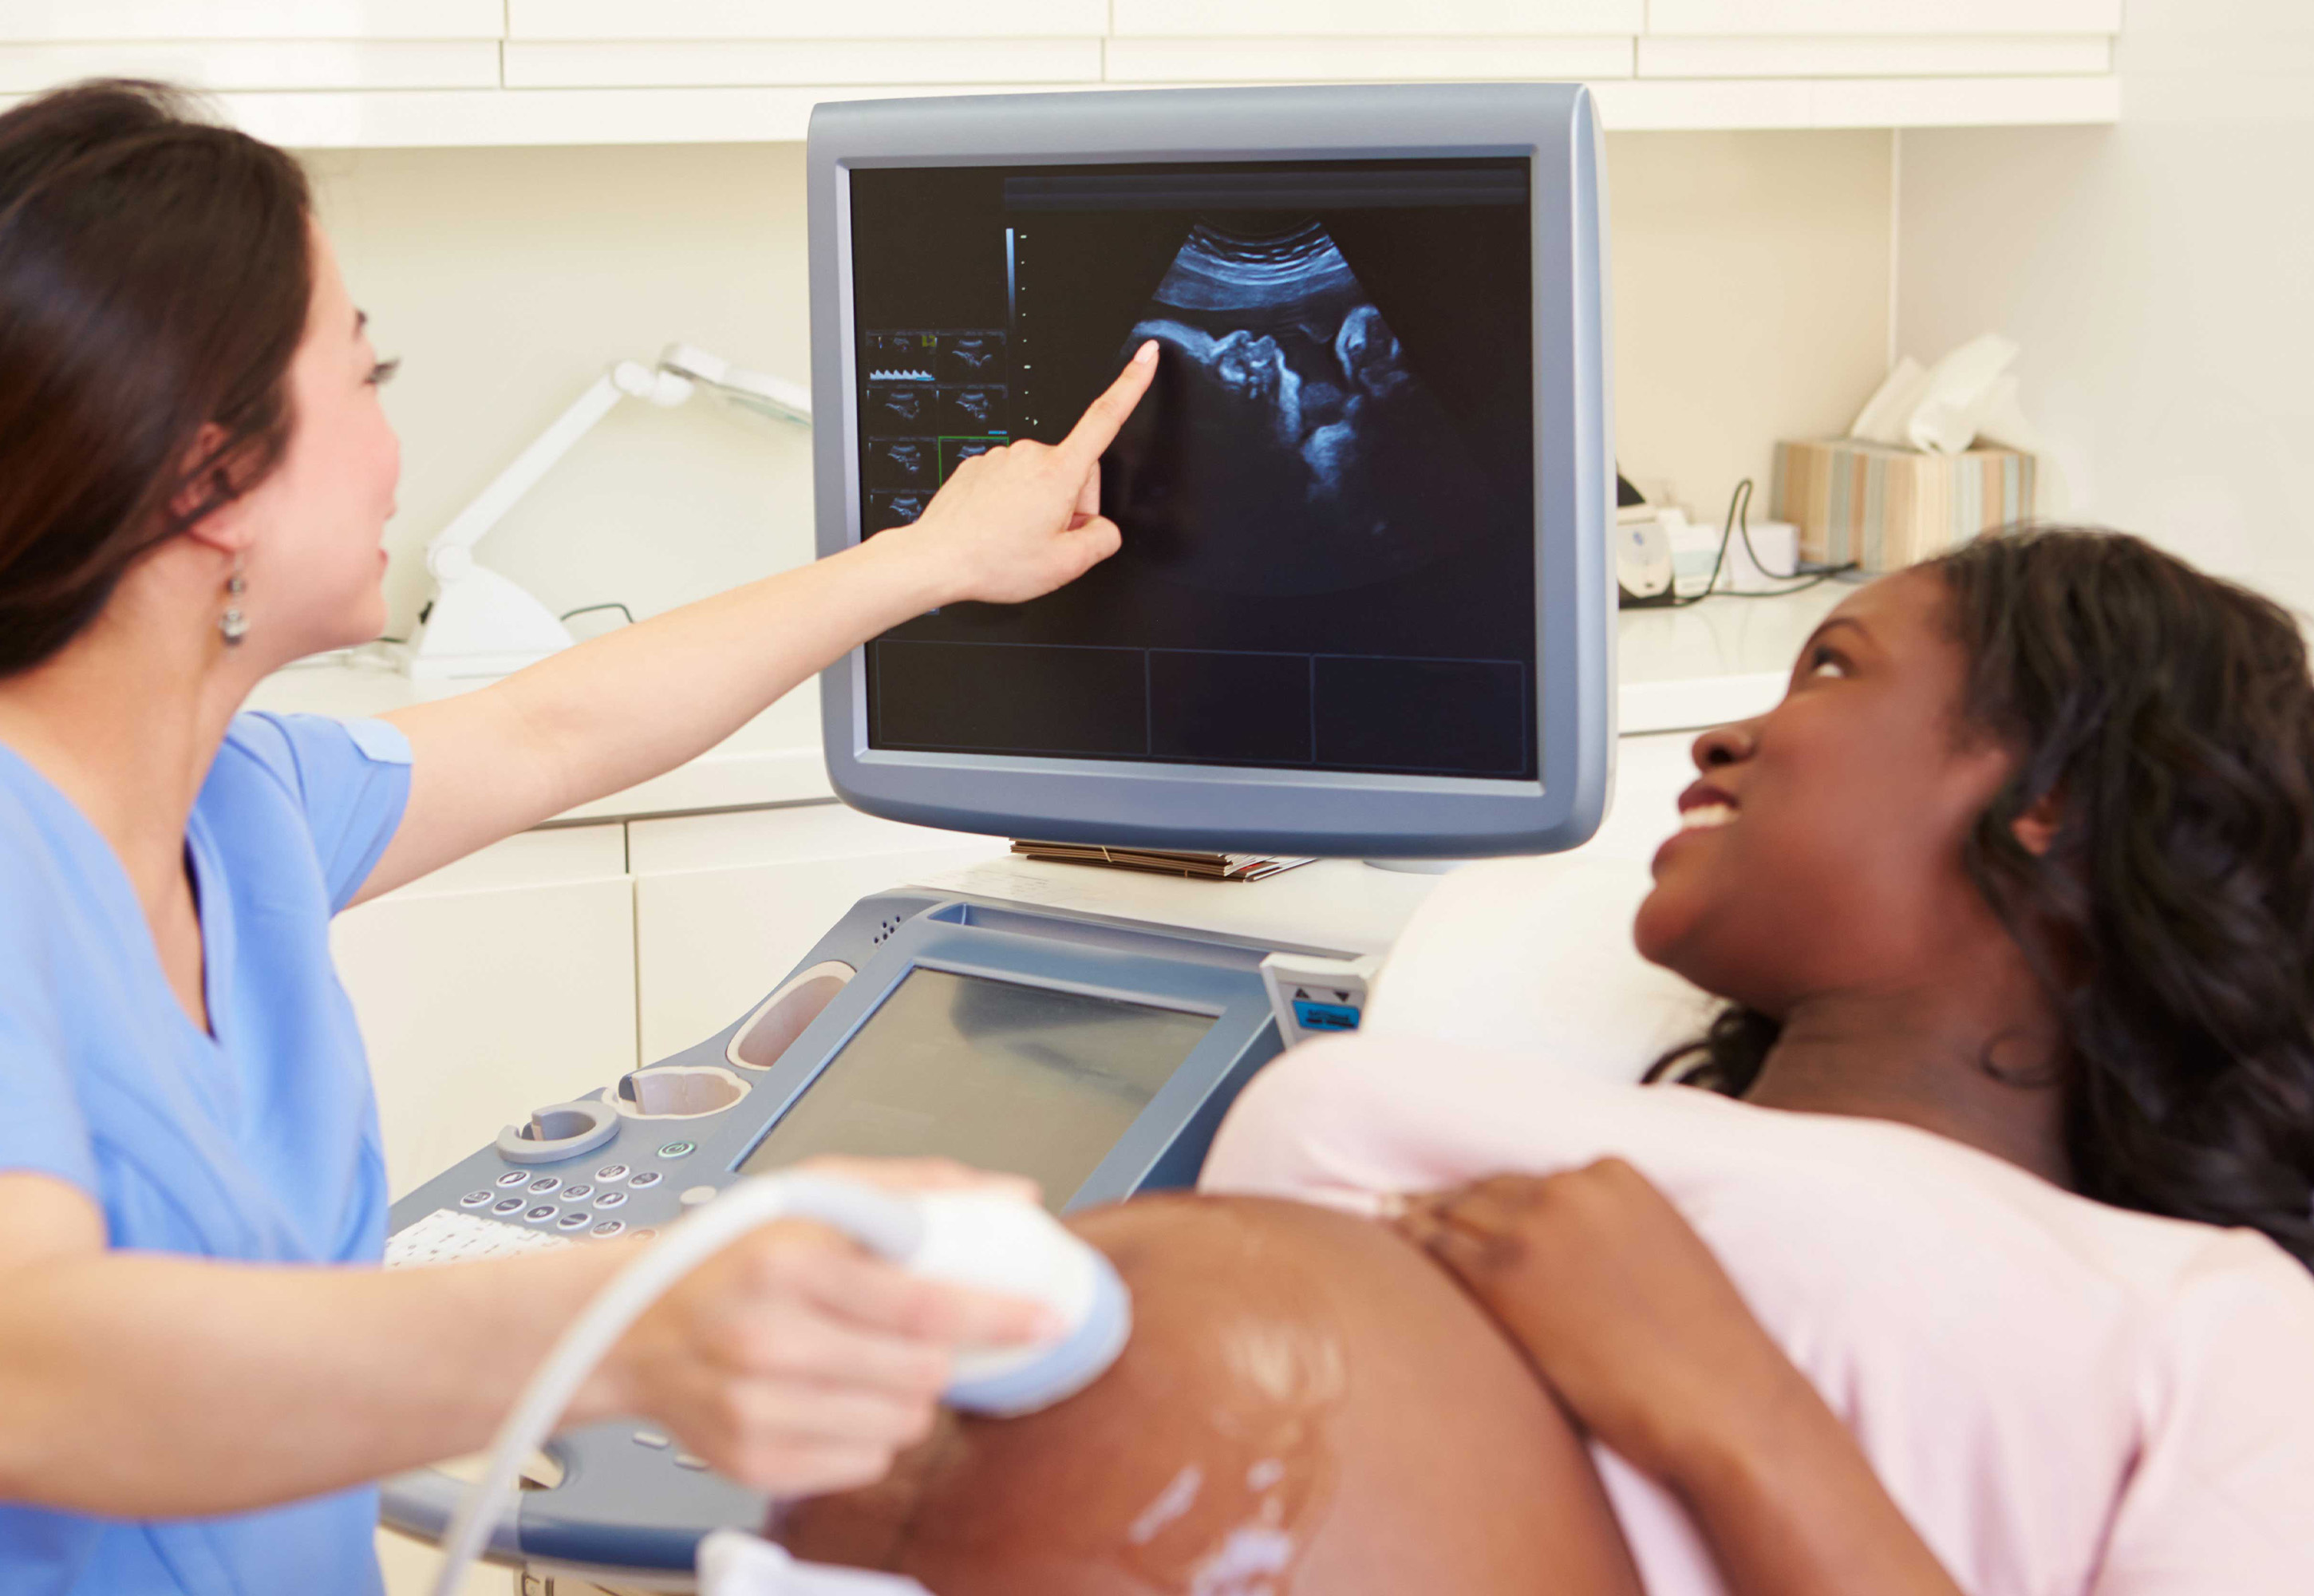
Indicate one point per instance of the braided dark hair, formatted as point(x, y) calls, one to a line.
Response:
point(2171, 716)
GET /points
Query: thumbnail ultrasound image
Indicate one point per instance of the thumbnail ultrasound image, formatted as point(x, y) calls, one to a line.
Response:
point(887, 509)
point(930, 398)
point(896, 410)
point(972, 357)
point(1288, 446)
point(903, 462)
point(901, 358)
point(968, 411)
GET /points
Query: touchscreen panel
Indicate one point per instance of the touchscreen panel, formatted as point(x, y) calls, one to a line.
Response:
point(1000, 1074)
point(1327, 497)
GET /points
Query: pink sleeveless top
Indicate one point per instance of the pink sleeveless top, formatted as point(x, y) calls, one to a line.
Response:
point(2065, 1398)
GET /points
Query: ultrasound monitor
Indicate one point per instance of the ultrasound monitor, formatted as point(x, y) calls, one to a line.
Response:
point(1363, 597)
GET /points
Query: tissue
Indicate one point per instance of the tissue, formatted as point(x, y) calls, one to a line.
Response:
point(1968, 396)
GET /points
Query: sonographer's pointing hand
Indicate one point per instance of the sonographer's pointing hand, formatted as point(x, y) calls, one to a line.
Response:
point(1021, 520)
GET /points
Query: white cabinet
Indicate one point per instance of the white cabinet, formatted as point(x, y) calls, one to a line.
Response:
point(791, 19)
point(410, 1568)
point(545, 966)
point(335, 72)
point(1230, 58)
point(726, 904)
point(1319, 19)
point(224, 65)
point(488, 988)
point(656, 63)
point(145, 20)
point(1915, 17)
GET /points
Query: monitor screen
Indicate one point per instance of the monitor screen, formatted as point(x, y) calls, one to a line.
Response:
point(1001, 1074)
point(1328, 497)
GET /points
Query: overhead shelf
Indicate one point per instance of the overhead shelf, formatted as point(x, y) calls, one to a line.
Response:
point(438, 118)
point(338, 73)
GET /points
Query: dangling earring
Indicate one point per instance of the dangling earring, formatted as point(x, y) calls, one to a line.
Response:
point(233, 623)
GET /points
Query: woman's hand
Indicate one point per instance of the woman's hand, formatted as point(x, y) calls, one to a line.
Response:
point(1021, 520)
point(1011, 525)
point(1620, 1306)
point(1633, 1323)
point(795, 1362)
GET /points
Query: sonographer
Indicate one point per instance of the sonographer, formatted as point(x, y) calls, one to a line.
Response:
point(200, 1367)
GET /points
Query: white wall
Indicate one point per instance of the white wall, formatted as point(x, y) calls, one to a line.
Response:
point(2156, 274)
point(1751, 274)
point(507, 279)
point(1750, 278)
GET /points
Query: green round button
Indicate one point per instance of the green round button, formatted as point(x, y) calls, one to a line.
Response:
point(676, 1150)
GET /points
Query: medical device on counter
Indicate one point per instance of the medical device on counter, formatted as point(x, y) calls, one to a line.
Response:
point(1096, 1058)
point(980, 1238)
point(1363, 600)
point(1310, 996)
point(1362, 608)
point(482, 623)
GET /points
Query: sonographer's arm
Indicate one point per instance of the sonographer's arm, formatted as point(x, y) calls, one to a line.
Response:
point(145, 1385)
point(1009, 525)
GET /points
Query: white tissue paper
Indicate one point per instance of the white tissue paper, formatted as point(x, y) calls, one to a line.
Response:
point(732, 1562)
point(1968, 395)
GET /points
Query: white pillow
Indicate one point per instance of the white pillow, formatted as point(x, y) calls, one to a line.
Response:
point(1535, 955)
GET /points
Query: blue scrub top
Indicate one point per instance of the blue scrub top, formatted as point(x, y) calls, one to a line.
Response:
point(259, 1143)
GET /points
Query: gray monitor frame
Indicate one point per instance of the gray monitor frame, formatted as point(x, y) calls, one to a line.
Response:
point(1156, 804)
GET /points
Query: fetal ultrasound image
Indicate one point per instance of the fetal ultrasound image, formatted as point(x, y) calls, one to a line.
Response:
point(972, 357)
point(964, 411)
point(1288, 446)
point(896, 410)
point(902, 462)
point(886, 510)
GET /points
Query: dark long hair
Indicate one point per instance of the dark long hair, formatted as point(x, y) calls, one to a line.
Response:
point(2171, 717)
point(154, 279)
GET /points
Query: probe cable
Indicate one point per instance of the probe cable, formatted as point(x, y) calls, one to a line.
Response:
point(886, 1224)
point(1739, 525)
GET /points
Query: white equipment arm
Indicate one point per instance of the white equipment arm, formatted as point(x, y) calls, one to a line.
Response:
point(479, 623)
point(450, 555)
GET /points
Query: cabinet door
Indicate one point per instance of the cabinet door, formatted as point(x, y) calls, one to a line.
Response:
point(84, 20)
point(502, 982)
point(726, 904)
point(409, 1568)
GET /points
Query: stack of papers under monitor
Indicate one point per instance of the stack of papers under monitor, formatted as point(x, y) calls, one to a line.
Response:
point(1164, 862)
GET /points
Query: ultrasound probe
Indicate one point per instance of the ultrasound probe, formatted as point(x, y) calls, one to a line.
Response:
point(980, 1238)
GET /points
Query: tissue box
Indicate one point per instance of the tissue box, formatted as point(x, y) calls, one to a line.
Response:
point(1882, 508)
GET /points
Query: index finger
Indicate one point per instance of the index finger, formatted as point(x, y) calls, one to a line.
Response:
point(1098, 427)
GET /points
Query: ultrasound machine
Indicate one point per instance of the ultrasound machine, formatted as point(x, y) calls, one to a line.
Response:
point(1362, 609)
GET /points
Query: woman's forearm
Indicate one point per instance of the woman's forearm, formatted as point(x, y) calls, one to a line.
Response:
point(139, 1385)
point(1007, 526)
point(1790, 1506)
point(623, 708)
point(646, 698)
